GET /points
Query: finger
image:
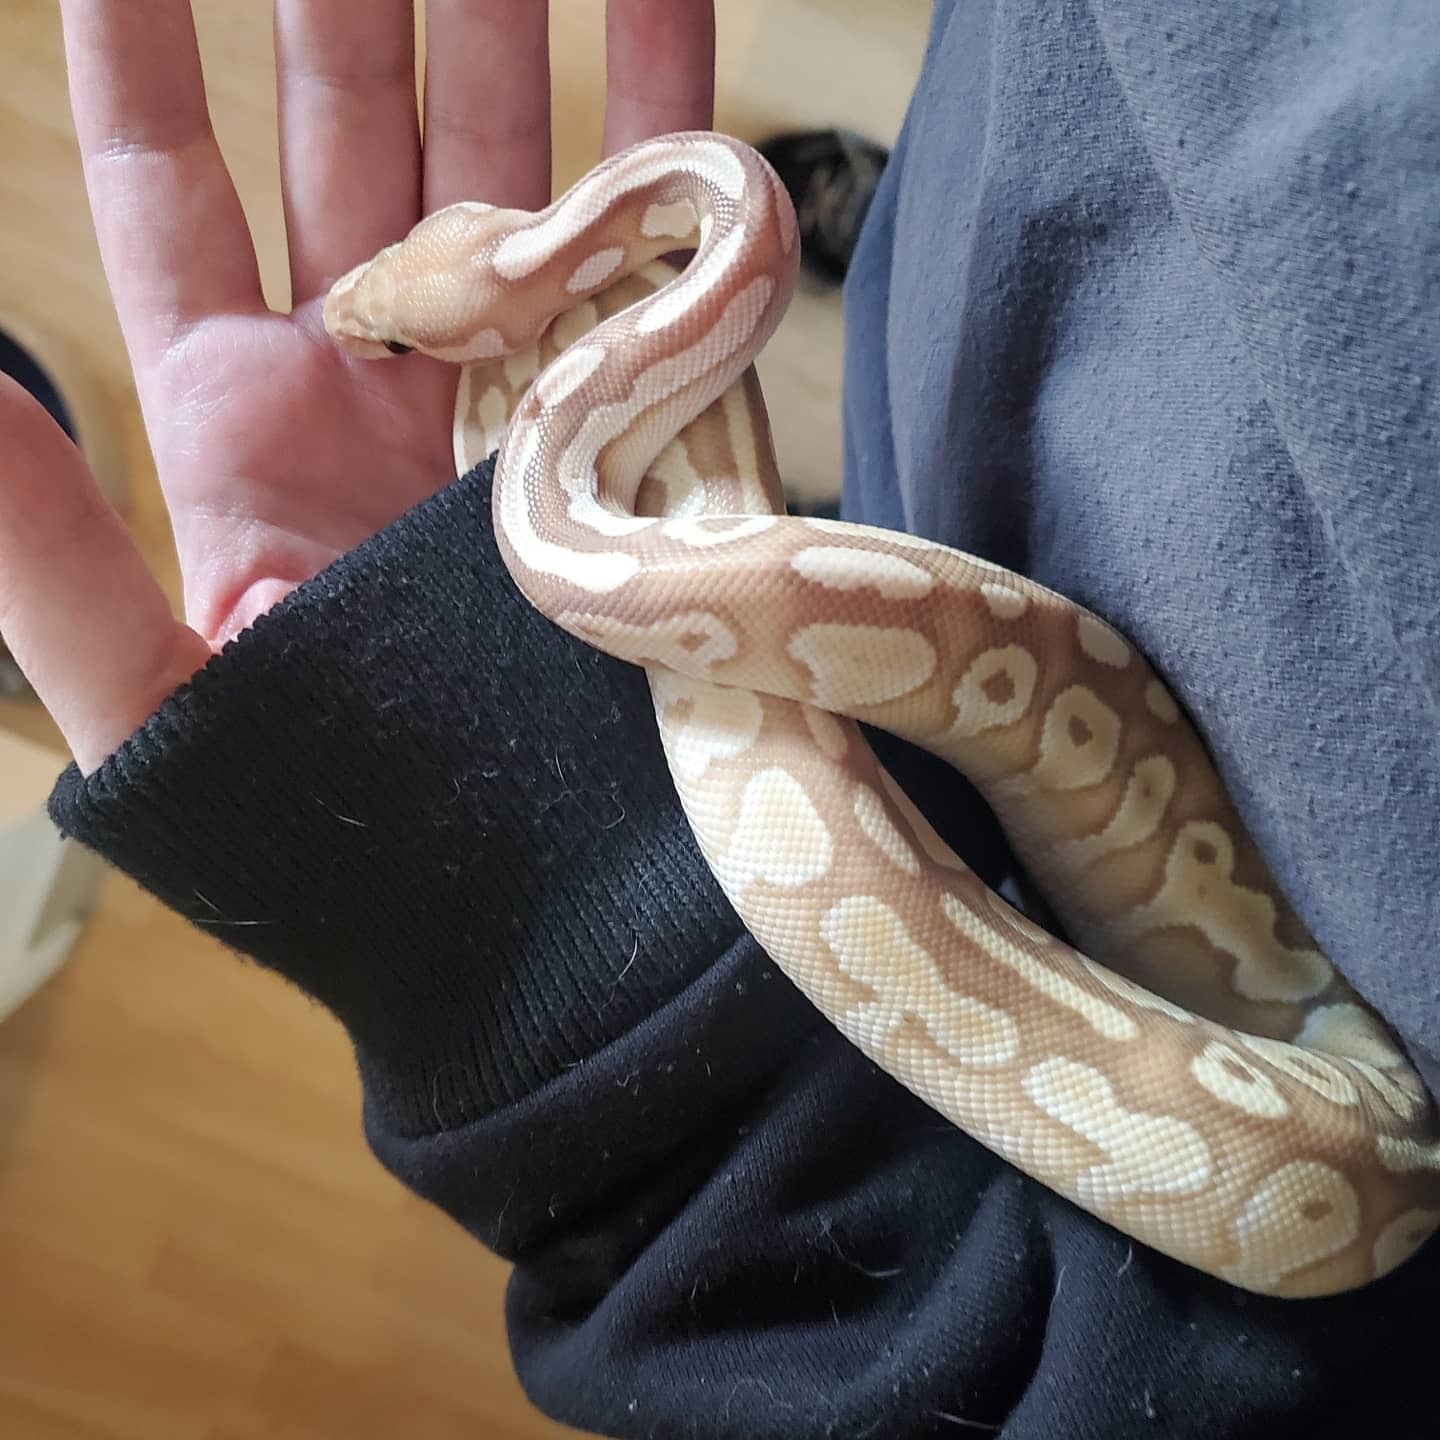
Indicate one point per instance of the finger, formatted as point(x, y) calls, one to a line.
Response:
point(487, 102)
point(81, 614)
point(172, 235)
point(660, 69)
point(349, 132)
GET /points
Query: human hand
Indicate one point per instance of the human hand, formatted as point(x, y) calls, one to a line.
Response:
point(275, 453)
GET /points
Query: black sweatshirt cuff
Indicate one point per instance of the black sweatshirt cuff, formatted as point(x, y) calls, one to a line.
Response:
point(436, 813)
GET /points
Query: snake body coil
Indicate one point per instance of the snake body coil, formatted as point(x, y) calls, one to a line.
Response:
point(1215, 1090)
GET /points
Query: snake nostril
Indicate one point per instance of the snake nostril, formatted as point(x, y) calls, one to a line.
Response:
point(396, 348)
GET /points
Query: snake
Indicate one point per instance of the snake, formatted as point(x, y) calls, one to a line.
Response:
point(1182, 1060)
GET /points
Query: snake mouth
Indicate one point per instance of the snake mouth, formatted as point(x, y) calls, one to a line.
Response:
point(366, 347)
point(347, 319)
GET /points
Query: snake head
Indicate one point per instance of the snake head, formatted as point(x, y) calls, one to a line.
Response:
point(359, 311)
point(435, 291)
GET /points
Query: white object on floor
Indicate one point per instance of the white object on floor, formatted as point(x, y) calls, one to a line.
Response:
point(48, 885)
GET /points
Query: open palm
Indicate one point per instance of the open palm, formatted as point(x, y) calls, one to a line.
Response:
point(275, 452)
point(288, 457)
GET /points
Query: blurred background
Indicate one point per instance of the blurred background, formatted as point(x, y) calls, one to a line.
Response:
point(194, 1240)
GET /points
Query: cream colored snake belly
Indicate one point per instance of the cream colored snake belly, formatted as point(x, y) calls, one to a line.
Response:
point(1214, 1089)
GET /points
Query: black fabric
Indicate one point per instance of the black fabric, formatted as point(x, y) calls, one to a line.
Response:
point(430, 809)
point(452, 825)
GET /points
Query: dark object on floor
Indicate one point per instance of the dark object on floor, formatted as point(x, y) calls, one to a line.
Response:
point(831, 176)
point(23, 367)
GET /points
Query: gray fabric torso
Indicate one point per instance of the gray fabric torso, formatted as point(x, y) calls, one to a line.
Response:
point(1148, 308)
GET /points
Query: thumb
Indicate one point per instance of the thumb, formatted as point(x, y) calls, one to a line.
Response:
point(84, 618)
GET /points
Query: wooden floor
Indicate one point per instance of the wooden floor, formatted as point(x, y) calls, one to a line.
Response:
point(194, 1242)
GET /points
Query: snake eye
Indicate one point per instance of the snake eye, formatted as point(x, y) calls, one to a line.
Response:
point(396, 348)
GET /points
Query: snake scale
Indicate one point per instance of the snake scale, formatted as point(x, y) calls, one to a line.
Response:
point(1214, 1089)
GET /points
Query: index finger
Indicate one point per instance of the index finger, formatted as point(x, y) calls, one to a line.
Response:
point(81, 613)
point(660, 69)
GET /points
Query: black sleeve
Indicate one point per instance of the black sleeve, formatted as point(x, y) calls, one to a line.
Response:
point(450, 824)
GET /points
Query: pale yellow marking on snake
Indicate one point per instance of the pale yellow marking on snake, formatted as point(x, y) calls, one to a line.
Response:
point(694, 638)
point(872, 818)
point(595, 573)
point(1005, 604)
point(1161, 704)
point(780, 837)
point(1405, 1101)
point(1328, 1219)
point(1402, 1237)
point(871, 945)
point(1349, 1030)
point(1240, 922)
point(521, 367)
point(670, 304)
point(887, 575)
point(1105, 1019)
point(684, 485)
point(1228, 1076)
point(1147, 796)
point(568, 373)
point(596, 270)
point(571, 327)
point(705, 535)
point(721, 723)
point(828, 732)
point(1405, 1157)
point(676, 221)
point(1148, 1154)
point(1079, 742)
point(745, 446)
point(1101, 643)
point(1312, 1071)
point(995, 691)
point(869, 665)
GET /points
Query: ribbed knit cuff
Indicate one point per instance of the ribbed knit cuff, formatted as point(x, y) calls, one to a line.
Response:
point(436, 813)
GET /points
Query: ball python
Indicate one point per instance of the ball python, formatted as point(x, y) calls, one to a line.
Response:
point(1186, 1064)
